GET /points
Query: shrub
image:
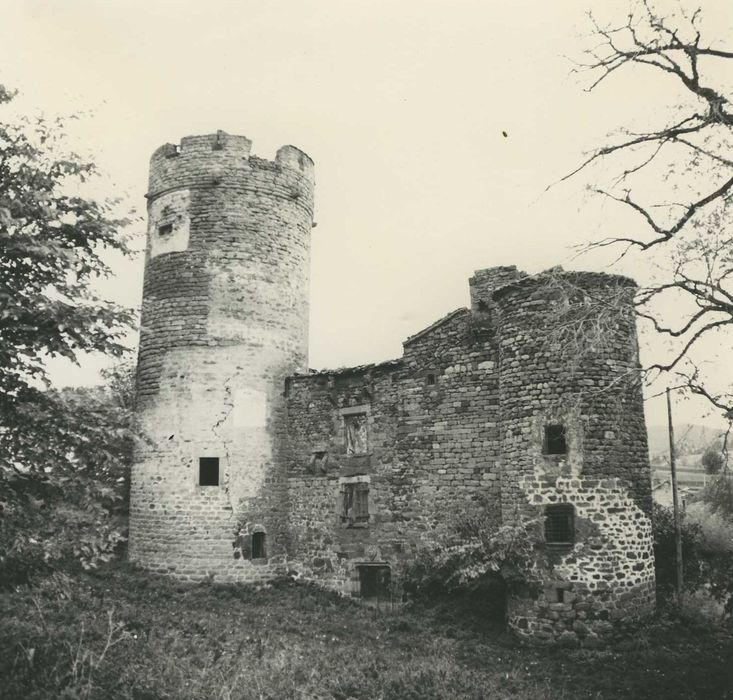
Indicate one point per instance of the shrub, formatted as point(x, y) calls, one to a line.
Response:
point(707, 554)
point(480, 563)
point(715, 529)
point(665, 552)
point(66, 507)
point(718, 494)
point(713, 459)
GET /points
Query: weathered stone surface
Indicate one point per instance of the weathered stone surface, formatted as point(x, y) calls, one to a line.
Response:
point(596, 396)
point(224, 321)
point(349, 469)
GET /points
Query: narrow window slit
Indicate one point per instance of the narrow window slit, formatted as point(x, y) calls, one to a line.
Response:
point(258, 545)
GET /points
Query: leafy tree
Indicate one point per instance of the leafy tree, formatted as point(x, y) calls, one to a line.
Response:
point(707, 555)
point(676, 179)
point(76, 513)
point(718, 494)
point(713, 459)
point(53, 445)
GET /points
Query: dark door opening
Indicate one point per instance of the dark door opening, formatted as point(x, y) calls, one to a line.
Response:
point(374, 580)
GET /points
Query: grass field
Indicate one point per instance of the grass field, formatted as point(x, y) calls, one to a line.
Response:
point(125, 634)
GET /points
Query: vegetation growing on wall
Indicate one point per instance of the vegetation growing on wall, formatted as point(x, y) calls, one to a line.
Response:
point(479, 562)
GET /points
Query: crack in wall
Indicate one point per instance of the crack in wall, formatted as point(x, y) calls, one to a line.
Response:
point(228, 403)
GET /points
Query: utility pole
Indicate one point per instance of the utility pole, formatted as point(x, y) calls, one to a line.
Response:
point(675, 500)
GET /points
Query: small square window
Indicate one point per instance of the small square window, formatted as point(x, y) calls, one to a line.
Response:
point(560, 525)
point(258, 545)
point(165, 230)
point(318, 462)
point(208, 471)
point(430, 379)
point(554, 441)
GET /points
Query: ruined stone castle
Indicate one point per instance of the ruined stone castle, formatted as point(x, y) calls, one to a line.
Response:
point(525, 406)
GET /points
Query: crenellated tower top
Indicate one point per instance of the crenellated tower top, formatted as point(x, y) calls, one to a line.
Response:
point(225, 160)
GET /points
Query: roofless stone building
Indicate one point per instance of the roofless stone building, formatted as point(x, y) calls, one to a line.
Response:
point(526, 404)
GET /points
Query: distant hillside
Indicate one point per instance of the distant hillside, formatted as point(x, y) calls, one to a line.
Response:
point(690, 438)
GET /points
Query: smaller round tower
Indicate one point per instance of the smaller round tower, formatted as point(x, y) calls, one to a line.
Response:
point(574, 451)
point(224, 321)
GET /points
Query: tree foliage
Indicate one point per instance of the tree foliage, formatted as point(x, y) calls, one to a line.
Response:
point(676, 178)
point(479, 557)
point(713, 459)
point(718, 494)
point(59, 451)
point(707, 555)
point(74, 512)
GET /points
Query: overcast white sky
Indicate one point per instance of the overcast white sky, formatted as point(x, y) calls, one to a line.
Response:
point(402, 106)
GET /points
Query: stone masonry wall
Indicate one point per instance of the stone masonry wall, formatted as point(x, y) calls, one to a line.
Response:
point(608, 575)
point(432, 457)
point(224, 321)
point(324, 546)
point(336, 474)
point(585, 378)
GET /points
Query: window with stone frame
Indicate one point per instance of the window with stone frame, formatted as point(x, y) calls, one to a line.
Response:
point(355, 502)
point(355, 426)
point(374, 581)
point(560, 525)
point(554, 441)
point(258, 545)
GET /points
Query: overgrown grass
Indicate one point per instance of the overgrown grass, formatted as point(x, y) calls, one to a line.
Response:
point(128, 634)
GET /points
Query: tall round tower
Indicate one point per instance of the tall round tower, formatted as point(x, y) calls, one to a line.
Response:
point(224, 321)
point(574, 451)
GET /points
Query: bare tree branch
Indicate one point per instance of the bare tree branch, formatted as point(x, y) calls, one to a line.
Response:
point(683, 352)
point(681, 331)
point(691, 159)
point(665, 134)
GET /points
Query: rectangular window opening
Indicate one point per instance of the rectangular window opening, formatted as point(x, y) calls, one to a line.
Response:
point(554, 441)
point(356, 502)
point(374, 582)
point(430, 379)
point(208, 471)
point(258, 545)
point(560, 525)
point(165, 230)
point(356, 433)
